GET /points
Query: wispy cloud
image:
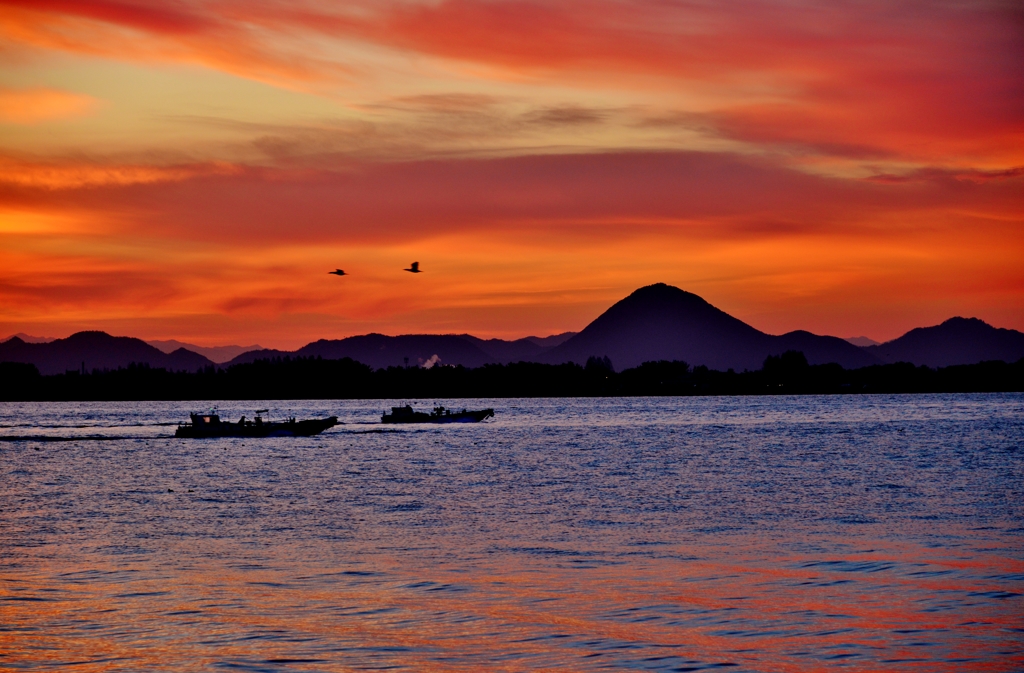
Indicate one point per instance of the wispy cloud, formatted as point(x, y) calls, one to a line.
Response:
point(35, 105)
point(916, 80)
point(72, 173)
point(829, 154)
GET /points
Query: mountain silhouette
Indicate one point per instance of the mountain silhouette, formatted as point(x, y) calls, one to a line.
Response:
point(96, 350)
point(662, 322)
point(218, 354)
point(958, 341)
point(553, 340)
point(657, 322)
point(502, 351)
point(380, 351)
point(29, 339)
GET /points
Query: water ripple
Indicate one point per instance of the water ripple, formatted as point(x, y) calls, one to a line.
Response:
point(755, 534)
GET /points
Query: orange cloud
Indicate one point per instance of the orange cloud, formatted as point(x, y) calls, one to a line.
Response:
point(57, 174)
point(171, 33)
point(882, 82)
point(596, 109)
point(31, 106)
point(910, 81)
point(514, 245)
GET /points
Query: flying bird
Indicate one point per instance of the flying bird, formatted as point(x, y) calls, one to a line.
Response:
point(338, 272)
point(413, 268)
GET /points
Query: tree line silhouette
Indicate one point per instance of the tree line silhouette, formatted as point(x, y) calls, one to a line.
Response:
point(316, 378)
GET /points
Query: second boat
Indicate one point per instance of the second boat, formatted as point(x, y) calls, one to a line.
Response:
point(438, 415)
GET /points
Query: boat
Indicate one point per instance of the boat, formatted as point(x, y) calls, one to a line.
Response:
point(210, 425)
point(438, 415)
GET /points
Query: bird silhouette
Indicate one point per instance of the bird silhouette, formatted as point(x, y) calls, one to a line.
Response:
point(413, 268)
point(338, 272)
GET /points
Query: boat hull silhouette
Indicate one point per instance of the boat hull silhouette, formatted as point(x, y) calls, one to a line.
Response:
point(438, 415)
point(210, 425)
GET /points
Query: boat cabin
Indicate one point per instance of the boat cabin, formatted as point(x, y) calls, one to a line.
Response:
point(205, 419)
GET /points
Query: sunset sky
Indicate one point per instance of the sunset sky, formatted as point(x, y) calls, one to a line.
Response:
point(192, 169)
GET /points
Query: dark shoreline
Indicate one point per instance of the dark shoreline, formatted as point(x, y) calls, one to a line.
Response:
point(316, 378)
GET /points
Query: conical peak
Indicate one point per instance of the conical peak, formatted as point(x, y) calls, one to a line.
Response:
point(662, 299)
point(663, 290)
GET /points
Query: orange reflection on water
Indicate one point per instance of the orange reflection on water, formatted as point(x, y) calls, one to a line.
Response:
point(902, 606)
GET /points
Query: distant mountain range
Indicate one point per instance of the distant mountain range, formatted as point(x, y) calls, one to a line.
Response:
point(657, 322)
point(380, 351)
point(96, 350)
point(28, 338)
point(218, 354)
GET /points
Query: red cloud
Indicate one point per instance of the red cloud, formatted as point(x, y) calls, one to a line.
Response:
point(932, 83)
point(209, 239)
point(611, 195)
point(168, 16)
point(918, 81)
point(928, 91)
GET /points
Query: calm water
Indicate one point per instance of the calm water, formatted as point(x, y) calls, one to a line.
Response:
point(761, 534)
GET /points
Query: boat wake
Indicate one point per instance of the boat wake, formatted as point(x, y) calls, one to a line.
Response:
point(74, 438)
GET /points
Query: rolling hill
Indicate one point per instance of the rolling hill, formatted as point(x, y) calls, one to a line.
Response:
point(96, 350)
point(958, 341)
point(381, 351)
